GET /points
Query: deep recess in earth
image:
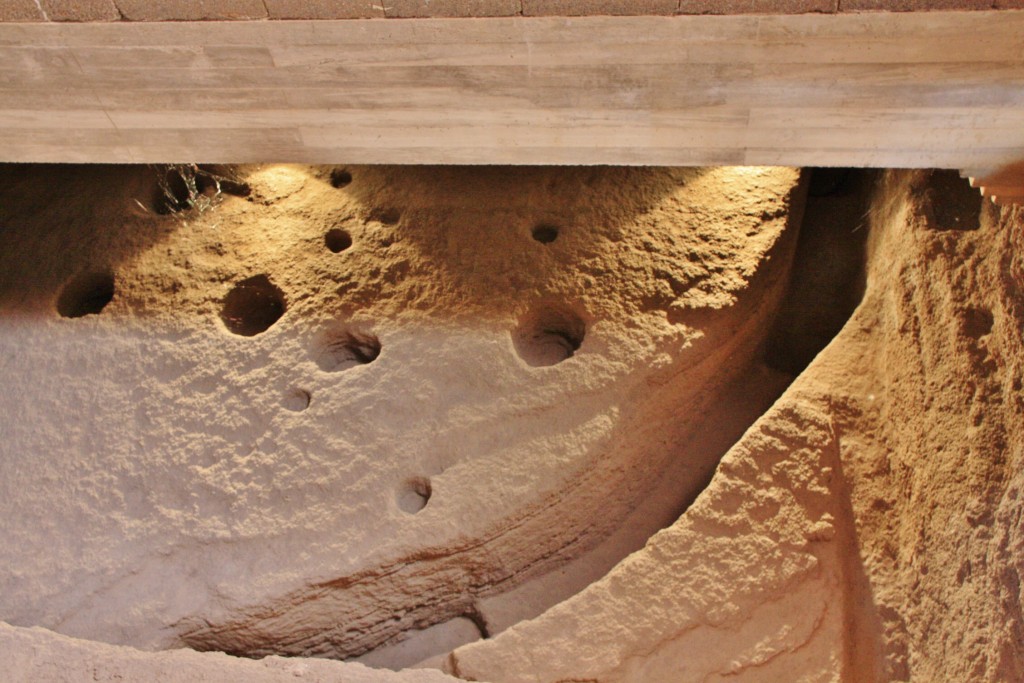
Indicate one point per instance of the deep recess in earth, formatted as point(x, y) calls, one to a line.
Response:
point(509, 424)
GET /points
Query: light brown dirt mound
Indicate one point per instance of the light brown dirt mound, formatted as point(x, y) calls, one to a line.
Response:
point(34, 655)
point(925, 384)
point(349, 472)
point(348, 404)
point(747, 584)
point(868, 528)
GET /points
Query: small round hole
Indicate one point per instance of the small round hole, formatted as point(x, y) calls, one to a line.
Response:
point(252, 306)
point(545, 234)
point(337, 240)
point(414, 495)
point(340, 177)
point(548, 334)
point(296, 400)
point(345, 348)
point(86, 294)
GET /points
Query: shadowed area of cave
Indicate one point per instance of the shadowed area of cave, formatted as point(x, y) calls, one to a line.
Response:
point(828, 271)
point(252, 306)
point(86, 294)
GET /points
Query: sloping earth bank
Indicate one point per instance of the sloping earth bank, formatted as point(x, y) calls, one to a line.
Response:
point(867, 527)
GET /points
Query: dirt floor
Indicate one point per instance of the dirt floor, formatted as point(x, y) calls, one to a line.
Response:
point(516, 424)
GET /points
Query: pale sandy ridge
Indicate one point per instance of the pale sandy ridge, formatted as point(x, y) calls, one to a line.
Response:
point(37, 655)
point(167, 483)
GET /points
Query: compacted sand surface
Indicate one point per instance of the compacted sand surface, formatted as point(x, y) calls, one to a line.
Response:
point(520, 424)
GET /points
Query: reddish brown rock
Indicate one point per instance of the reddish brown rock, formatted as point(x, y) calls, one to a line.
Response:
point(20, 10)
point(191, 10)
point(84, 10)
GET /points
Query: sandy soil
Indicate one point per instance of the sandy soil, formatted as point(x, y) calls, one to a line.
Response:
point(401, 412)
point(897, 556)
point(312, 419)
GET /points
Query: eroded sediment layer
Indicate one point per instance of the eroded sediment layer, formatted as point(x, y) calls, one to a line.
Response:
point(36, 654)
point(341, 404)
point(164, 475)
point(867, 528)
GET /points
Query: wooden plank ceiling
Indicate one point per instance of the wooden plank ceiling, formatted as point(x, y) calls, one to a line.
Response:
point(935, 89)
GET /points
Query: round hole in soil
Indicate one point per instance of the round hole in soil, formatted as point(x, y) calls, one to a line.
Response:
point(414, 495)
point(545, 234)
point(340, 177)
point(296, 400)
point(343, 348)
point(548, 334)
point(86, 294)
point(337, 240)
point(252, 306)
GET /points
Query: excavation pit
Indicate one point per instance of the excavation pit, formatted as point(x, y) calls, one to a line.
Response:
point(468, 440)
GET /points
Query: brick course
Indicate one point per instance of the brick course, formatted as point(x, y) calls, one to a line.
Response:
point(20, 10)
point(451, 8)
point(570, 8)
point(756, 6)
point(80, 10)
point(191, 10)
point(912, 5)
point(226, 10)
point(325, 9)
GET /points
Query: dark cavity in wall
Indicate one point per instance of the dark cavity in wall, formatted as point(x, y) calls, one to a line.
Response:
point(548, 334)
point(252, 306)
point(344, 347)
point(948, 202)
point(181, 187)
point(827, 281)
point(86, 294)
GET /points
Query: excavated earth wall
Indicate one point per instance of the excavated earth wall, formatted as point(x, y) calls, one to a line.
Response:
point(502, 422)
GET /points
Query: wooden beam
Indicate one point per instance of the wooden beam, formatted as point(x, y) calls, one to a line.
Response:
point(935, 89)
point(1003, 186)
